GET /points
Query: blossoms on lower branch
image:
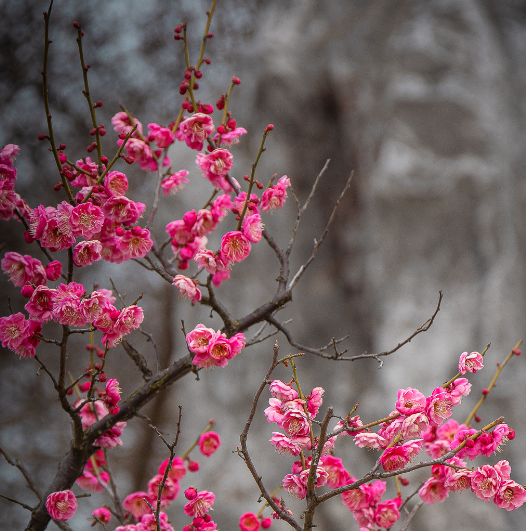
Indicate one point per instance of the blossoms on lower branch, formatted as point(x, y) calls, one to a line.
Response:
point(213, 349)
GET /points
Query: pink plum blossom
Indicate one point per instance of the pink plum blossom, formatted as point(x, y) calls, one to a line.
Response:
point(220, 350)
point(439, 406)
point(122, 123)
point(295, 423)
point(433, 491)
point(149, 523)
point(355, 499)
point(472, 362)
point(209, 443)
point(168, 494)
point(103, 514)
point(337, 475)
point(16, 333)
point(122, 209)
point(112, 395)
point(53, 270)
point(115, 183)
point(282, 391)
point(275, 196)
point(289, 445)
point(187, 287)
point(386, 513)
point(23, 270)
point(314, 401)
point(85, 253)
point(61, 505)
point(209, 260)
point(86, 220)
point(215, 166)
point(135, 503)
point(196, 129)
point(249, 522)
point(199, 339)
point(135, 243)
point(174, 182)
point(485, 482)
point(394, 458)
point(370, 440)
point(40, 305)
point(510, 495)
point(410, 401)
point(235, 247)
point(200, 505)
point(162, 136)
point(177, 470)
point(230, 137)
point(90, 481)
point(111, 439)
point(459, 480)
point(294, 486)
point(253, 227)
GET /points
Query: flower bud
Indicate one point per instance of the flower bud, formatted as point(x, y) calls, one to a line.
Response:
point(190, 493)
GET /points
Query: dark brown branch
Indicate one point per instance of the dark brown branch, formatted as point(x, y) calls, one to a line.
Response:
point(138, 359)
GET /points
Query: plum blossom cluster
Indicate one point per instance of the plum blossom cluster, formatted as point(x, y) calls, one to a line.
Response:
point(211, 348)
point(68, 304)
point(165, 485)
point(10, 201)
point(367, 507)
point(487, 482)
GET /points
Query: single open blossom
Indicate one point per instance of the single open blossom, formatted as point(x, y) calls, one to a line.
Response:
point(135, 243)
point(215, 166)
point(187, 287)
point(289, 445)
point(122, 210)
point(103, 514)
point(439, 406)
point(434, 491)
point(168, 494)
point(87, 252)
point(40, 305)
point(61, 505)
point(294, 486)
point(209, 442)
point(295, 423)
point(472, 362)
point(162, 136)
point(314, 401)
point(457, 389)
point(370, 440)
point(249, 522)
point(86, 220)
point(282, 391)
point(23, 269)
point(53, 270)
point(115, 183)
point(230, 137)
point(355, 499)
point(459, 480)
point(337, 475)
point(199, 339)
point(386, 513)
point(395, 458)
point(235, 247)
point(275, 196)
point(200, 505)
point(135, 503)
point(196, 129)
point(253, 227)
point(16, 333)
point(112, 395)
point(410, 401)
point(177, 470)
point(174, 182)
point(485, 482)
point(510, 495)
point(122, 123)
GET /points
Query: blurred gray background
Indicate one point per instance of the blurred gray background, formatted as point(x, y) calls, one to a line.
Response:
point(424, 100)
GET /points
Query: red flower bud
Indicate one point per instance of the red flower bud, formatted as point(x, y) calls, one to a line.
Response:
point(236, 80)
point(27, 291)
point(102, 377)
point(190, 493)
point(57, 187)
